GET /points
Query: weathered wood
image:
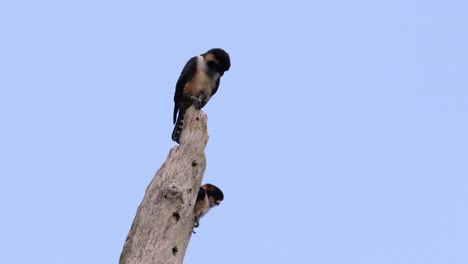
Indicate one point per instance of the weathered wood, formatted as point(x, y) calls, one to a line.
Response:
point(163, 224)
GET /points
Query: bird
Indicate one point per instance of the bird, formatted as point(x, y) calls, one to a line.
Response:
point(208, 197)
point(197, 83)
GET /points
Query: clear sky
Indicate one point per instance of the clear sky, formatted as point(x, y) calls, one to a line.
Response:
point(339, 135)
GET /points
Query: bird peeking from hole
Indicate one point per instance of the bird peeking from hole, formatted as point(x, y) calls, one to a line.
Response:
point(208, 197)
point(197, 83)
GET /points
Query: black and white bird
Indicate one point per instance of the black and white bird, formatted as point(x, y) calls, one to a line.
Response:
point(208, 197)
point(198, 82)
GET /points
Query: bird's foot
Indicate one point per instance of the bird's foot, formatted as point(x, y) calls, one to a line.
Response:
point(197, 102)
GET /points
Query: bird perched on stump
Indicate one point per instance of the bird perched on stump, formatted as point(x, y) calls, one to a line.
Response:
point(198, 82)
point(208, 196)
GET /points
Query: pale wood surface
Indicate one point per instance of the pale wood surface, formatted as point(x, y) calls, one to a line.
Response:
point(163, 224)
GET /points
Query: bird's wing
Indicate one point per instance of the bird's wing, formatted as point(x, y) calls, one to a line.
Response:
point(186, 75)
point(201, 194)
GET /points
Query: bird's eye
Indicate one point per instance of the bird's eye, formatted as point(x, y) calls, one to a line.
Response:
point(211, 64)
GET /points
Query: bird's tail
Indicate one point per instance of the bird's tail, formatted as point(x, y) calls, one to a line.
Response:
point(178, 126)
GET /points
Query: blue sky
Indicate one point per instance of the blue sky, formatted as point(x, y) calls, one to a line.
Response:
point(338, 136)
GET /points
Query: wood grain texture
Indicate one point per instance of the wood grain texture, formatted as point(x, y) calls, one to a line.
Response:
point(163, 224)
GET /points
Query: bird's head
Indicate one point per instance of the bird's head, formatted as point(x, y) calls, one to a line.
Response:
point(218, 60)
point(215, 194)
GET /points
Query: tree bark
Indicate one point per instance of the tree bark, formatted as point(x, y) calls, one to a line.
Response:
point(164, 220)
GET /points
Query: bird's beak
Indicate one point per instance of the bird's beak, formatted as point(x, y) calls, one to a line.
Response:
point(217, 202)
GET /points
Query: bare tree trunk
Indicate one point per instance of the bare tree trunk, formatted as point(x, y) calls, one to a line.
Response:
point(164, 220)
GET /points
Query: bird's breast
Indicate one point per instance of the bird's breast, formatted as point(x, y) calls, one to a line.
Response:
point(201, 83)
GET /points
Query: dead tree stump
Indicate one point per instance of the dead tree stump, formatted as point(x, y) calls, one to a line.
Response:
point(163, 224)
